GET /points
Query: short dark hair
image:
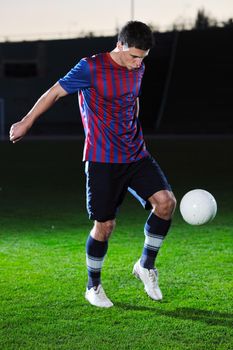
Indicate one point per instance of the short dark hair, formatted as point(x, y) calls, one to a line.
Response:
point(136, 34)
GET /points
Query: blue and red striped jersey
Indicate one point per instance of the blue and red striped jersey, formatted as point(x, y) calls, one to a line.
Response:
point(108, 105)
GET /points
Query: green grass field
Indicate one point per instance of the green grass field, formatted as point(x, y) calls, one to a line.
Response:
point(43, 229)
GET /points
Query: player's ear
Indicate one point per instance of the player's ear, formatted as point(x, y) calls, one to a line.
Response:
point(120, 46)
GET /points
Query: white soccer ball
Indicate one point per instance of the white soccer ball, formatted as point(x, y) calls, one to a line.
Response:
point(198, 207)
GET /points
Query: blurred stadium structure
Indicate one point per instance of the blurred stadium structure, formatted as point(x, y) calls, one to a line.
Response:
point(187, 87)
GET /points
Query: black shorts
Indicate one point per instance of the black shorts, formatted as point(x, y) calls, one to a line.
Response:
point(108, 183)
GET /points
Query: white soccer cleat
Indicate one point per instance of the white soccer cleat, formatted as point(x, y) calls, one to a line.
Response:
point(97, 297)
point(149, 279)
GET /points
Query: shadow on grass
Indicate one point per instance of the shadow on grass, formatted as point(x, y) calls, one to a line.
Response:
point(210, 317)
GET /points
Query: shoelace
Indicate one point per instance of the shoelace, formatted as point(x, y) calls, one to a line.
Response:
point(101, 293)
point(153, 277)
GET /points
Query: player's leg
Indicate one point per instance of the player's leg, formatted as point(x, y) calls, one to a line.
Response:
point(156, 228)
point(157, 225)
point(152, 189)
point(104, 195)
point(96, 249)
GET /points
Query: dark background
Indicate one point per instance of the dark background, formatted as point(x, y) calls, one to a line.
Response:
point(187, 87)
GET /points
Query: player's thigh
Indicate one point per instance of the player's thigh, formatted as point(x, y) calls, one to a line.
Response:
point(104, 192)
point(148, 180)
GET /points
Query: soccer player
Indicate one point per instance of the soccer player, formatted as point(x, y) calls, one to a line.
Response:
point(117, 160)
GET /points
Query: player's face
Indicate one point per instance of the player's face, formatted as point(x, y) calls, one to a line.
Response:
point(131, 57)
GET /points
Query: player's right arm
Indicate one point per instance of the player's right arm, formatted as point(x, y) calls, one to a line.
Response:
point(46, 101)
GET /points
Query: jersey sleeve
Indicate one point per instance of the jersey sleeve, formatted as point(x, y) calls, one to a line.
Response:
point(77, 78)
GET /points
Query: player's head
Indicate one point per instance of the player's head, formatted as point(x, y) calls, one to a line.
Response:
point(136, 34)
point(134, 42)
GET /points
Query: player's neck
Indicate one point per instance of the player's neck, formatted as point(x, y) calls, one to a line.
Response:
point(116, 56)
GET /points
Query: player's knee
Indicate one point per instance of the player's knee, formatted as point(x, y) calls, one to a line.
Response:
point(164, 204)
point(102, 230)
point(108, 227)
point(166, 207)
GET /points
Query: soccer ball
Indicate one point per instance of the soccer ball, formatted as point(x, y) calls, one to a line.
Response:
point(198, 207)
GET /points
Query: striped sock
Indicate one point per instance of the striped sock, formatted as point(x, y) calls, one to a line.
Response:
point(155, 231)
point(95, 253)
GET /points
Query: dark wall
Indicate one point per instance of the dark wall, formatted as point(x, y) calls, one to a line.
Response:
point(53, 59)
point(187, 87)
point(200, 94)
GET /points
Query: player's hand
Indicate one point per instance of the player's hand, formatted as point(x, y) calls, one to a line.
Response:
point(18, 130)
